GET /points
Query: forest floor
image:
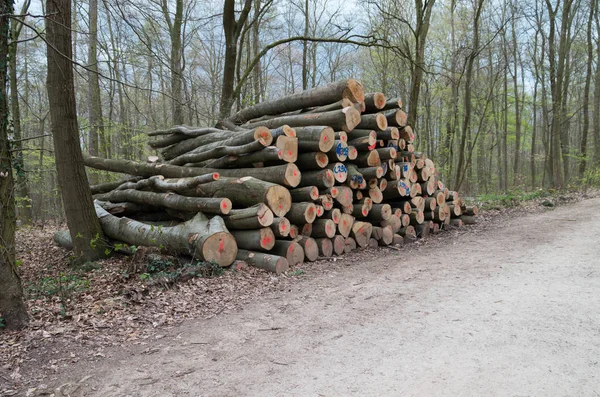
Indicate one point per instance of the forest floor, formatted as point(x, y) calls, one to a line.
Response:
point(505, 307)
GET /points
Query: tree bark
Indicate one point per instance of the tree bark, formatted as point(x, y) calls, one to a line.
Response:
point(12, 307)
point(346, 119)
point(271, 263)
point(77, 199)
point(25, 209)
point(169, 200)
point(199, 237)
point(319, 96)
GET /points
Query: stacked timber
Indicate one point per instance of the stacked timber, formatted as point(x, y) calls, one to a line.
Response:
point(314, 174)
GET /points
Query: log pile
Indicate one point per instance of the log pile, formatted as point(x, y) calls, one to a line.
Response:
point(313, 174)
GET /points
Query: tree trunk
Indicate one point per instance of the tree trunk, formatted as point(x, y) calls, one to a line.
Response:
point(94, 104)
point(25, 209)
point(12, 307)
point(271, 263)
point(169, 200)
point(319, 96)
point(199, 237)
point(586, 91)
point(232, 30)
point(77, 199)
point(346, 119)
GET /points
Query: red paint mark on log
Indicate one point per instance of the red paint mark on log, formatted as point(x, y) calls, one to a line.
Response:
point(216, 176)
point(283, 227)
point(221, 245)
point(291, 248)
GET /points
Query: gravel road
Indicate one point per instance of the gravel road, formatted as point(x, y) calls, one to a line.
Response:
point(513, 311)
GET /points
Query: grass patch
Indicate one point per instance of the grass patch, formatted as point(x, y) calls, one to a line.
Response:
point(511, 199)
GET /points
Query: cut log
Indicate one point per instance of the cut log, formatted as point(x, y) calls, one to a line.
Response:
point(289, 148)
point(361, 232)
point(310, 247)
point(294, 231)
point(468, 220)
point(343, 103)
point(200, 237)
point(315, 138)
point(255, 217)
point(126, 208)
point(456, 222)
point(306, 230)
point(290, 250)
point(368, 159)
point(211, 141)
point(169, 200)
point(320, 96)
point(301, 213)
point(408, 232)
point(339, 244)
point(325, 247)
point(281, 227)
point(258, 239)
point(345, 224)
point(416, 217)
point(271, 263)
point(406, 133)
point(344, 195)
point(395, 118)
point(394, 222)
point(376, 121)
point(339, 151)
point(394, 103)
point(350, 245)
point(287, 174)
point(398, 240)
point(159, 183)
point(335, 215)
point(307, 193)
point(244, 192)
point(345, 119)
point(380, 212)
point(374, 101)
point(108, 186)
point(471, 211)
point(322, 179)
point(326, 201)
point(340, 173)
point(312, 161)
point(423, 229)
point(323, 228)
point(197, 156)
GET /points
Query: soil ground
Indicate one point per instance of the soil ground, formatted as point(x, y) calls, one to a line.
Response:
point(514, 311)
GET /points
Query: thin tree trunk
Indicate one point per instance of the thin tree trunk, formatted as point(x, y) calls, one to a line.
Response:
point(586, 92)
point(25, 208)
point(12, 308)
point(516, 167)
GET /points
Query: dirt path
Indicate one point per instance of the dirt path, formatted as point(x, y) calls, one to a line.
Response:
point(512, 312)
